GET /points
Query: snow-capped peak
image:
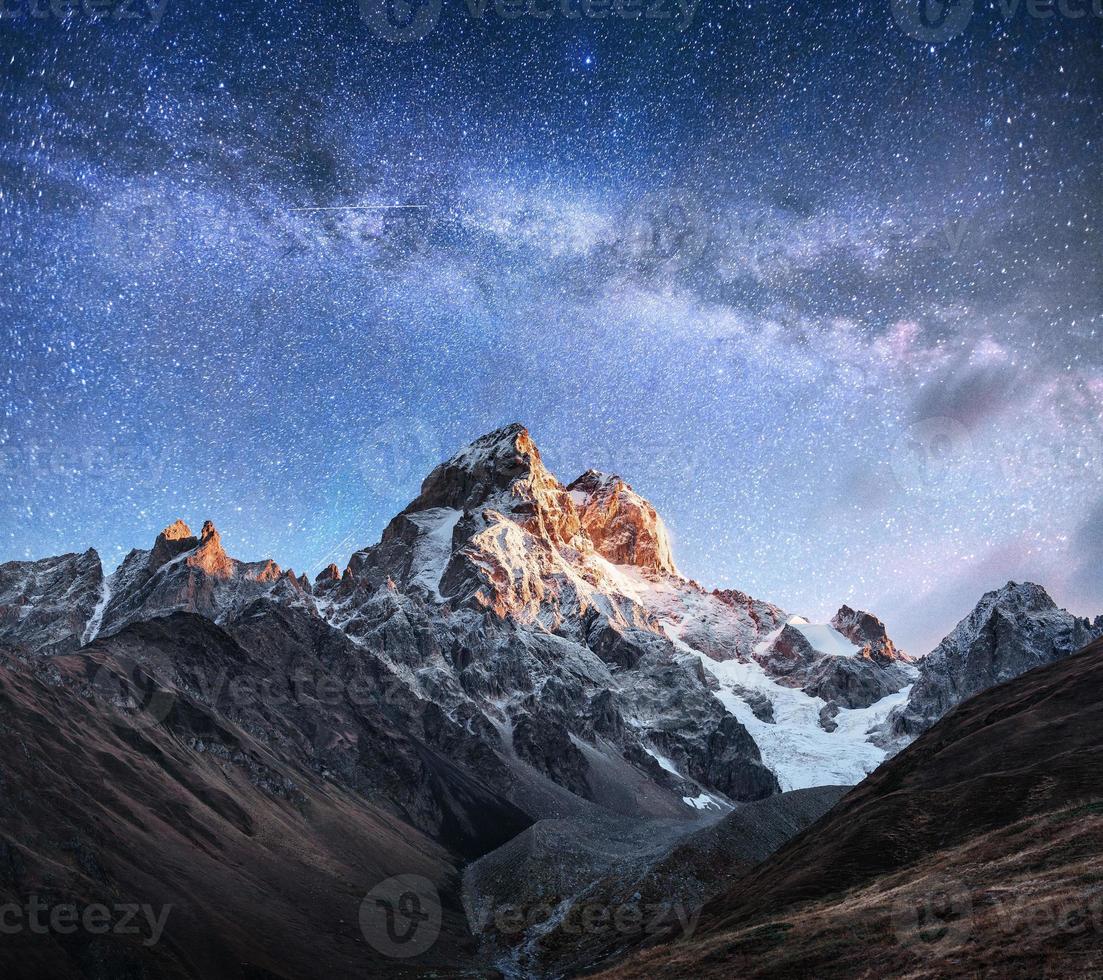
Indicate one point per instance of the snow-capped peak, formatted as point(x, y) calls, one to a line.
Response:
point(501, 444)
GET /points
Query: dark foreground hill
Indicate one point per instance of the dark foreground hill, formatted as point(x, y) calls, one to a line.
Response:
point(188, 849)
point(978, 851)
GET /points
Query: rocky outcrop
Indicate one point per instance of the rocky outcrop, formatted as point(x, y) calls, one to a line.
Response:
point(622, 526)
point(868, 633)
point(825, 663)
point(502, 471)
point(761, 706)
point(828, 713)
point(854, 682)
point(1012, 630)
point(763, 616)
point(789, 657)
point(45, 605)
point(174, 540)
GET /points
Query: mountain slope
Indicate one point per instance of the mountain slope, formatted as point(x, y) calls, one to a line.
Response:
point(552, 622)
point(260, 867)
point(498, 582)
point(515, 676)
point(989, 819)
point(642, 875)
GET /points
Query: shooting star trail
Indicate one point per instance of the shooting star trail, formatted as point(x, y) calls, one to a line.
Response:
point(368, 207)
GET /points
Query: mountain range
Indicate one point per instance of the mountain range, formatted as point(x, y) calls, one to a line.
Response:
point(514, 700)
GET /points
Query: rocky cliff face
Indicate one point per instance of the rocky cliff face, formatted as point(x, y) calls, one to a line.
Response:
point(622, 526)
point(46, 605)
point(1011, 630)
point(867, 632)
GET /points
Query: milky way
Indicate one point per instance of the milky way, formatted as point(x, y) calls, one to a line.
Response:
point(823, 286)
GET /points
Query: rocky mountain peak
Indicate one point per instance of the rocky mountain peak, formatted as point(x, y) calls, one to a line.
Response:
point(176, 530)
point(210, 556)
point(502, 471)
point(1016, 601)
point(501, 445)
point(1024, 596)
point(172, 541)
point(868, 633)
point(45, 604)
point(1013, 629)
point(623, 526)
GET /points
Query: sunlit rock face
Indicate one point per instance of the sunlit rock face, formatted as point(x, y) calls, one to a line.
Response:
point(185, 573)
point(622, 526)
point(552, 618)
point(868, 632)
point(502, 471)
point(172, 541)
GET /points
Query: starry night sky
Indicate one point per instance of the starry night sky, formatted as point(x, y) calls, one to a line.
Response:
point(829, 296)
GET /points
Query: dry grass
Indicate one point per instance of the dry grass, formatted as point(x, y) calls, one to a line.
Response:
point(1023, 901)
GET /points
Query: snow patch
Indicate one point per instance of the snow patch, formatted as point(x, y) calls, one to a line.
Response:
point(702, 802)
point(794, 746)
point(823, 638)
point(433, 547)
point(663, 761)
point(96, 621)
